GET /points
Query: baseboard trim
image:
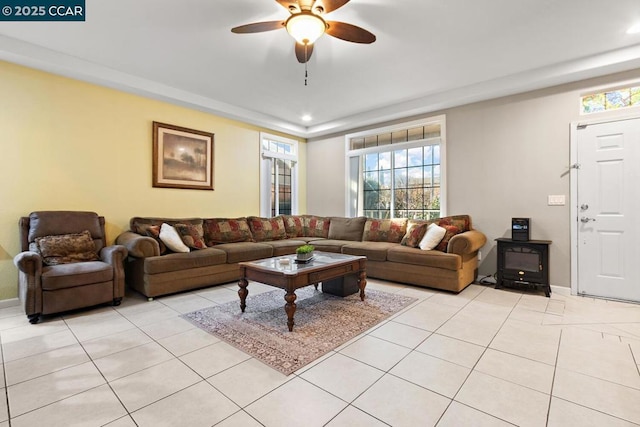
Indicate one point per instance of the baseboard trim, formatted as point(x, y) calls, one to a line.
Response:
point(11, 302)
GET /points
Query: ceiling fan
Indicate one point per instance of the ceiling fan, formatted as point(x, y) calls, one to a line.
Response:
point(306, 24)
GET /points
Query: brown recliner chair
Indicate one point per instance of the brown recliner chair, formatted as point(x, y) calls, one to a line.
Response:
point(58, 279)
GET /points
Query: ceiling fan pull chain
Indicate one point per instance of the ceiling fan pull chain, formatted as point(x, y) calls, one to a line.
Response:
point(306, 60)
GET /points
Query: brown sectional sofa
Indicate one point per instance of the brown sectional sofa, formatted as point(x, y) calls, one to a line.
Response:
point(230, 241)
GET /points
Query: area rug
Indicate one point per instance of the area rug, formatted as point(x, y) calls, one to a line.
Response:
point(323, 322)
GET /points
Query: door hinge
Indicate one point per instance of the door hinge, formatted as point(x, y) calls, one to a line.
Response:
point(575, 166)
point(580, 127)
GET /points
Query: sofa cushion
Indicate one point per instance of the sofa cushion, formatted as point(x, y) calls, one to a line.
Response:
point(285, 247)
point(415, 233)
point(67, 248)
point(76, 274)
point(384, 230)
point(316, 226)
point(264, 229)
point(329, 245)
point(246, 251)
point(452, 230)
point(183, 261)
point(294, 225)
point(432, 237)
point(226, 230)
point(346, 228)
point(374, 251)
point(172, 239)
point(416, 256)
point(191, 235)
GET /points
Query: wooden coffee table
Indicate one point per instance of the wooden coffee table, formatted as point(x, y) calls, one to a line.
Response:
point(285, 273)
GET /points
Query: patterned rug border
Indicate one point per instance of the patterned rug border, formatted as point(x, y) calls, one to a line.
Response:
point(323, 322)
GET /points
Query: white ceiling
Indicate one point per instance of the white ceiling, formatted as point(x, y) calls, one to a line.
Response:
point(429, 54)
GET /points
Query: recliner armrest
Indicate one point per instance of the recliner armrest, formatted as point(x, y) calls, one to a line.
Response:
point(138, 246)
point(29, 263)
point(114, 255)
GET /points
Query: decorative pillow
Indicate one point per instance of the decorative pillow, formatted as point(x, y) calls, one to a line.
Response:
point(226, 230)
point(154, 231)
point(384, 230)
point(191, 235)
point(414, 234)
point(452, 230)
point(463, 222)
point(294, 225)
point(316, 226)
point(171, 238)
point(67, 248)
point(265, 229)
point(432, 237)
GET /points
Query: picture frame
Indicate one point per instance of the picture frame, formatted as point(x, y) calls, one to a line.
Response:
point(182, 157)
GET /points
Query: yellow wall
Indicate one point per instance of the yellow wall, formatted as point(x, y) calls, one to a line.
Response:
point(70, 145)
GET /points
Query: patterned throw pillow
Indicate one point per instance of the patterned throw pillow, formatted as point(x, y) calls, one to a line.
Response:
point(294, 225)
point(266, 229)
point(67, 248)
point(452, 230)
point(414, 234)
point(226, 230)
point(463, 222)
point(384, 230)
point(191, 235)
point(316, 226)
point(154, 231)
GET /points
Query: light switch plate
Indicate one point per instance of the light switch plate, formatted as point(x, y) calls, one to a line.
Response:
point(556, 200)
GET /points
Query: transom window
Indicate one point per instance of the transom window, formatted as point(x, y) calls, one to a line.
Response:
point(610, 100)
point(400, 178)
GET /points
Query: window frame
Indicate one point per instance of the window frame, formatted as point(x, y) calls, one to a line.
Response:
point(351, 185)
point(266, 159)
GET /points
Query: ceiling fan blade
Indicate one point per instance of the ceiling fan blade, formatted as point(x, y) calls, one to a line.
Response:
point(300, 52)
point(290, 5)
point(350, 33)
point(331, 5)
point(258, 27)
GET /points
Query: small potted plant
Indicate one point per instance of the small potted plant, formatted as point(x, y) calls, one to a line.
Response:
point(304, 253)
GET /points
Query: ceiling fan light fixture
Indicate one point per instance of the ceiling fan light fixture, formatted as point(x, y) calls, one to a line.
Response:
point(305, 27)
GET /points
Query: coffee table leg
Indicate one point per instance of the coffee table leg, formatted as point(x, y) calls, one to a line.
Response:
point(243, 292)
point(290, 308)
point(362, 282)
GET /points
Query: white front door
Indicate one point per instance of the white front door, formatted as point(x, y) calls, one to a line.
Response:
point(608, 190)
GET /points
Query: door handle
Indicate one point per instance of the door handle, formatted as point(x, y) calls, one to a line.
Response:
point(585, 220)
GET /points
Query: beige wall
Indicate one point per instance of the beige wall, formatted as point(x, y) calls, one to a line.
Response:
point(69, 145)
point(505, 156)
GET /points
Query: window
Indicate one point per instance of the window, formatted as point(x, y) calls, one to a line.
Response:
point(397, 172)
point(278, 176)
point(610, 100)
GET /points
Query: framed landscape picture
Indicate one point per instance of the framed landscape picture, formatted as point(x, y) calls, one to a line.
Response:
point(182, 158)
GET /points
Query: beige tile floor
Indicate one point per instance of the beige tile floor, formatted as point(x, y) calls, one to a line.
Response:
point(484, 357)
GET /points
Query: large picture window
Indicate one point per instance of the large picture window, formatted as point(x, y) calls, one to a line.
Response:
point(397, 172)
point(278, 176)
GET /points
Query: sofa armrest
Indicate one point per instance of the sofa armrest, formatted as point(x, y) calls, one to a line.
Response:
point(29, 263)
point(467, 242)
point(138, 246)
